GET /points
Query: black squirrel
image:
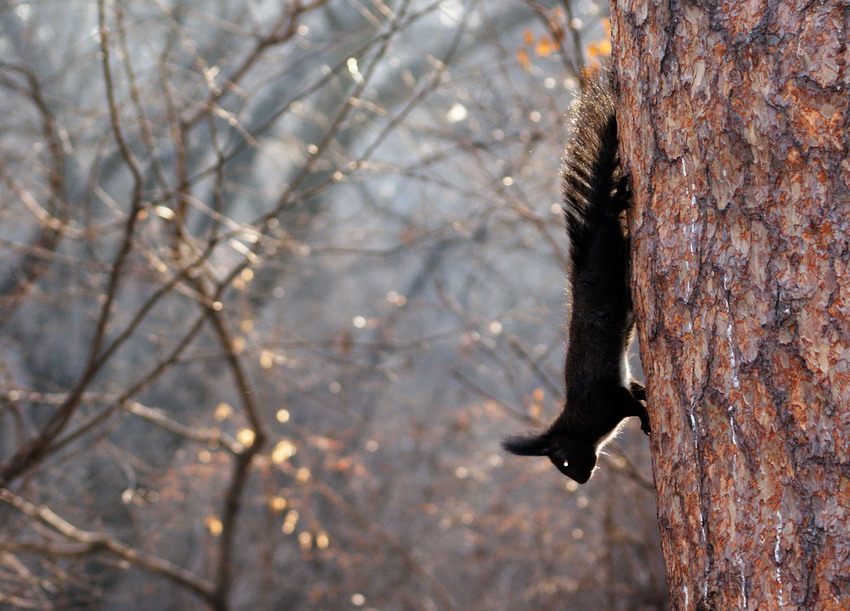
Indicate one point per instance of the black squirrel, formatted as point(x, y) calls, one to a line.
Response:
point(599, 390)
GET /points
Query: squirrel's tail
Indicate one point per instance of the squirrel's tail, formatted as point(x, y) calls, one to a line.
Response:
point(591, 173)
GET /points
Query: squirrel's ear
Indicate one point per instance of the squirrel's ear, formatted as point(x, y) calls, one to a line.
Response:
point(527, 445)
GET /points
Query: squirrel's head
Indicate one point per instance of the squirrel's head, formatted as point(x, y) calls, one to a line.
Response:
point(574, 458)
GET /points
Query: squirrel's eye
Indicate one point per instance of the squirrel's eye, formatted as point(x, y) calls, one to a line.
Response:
point(566, 463)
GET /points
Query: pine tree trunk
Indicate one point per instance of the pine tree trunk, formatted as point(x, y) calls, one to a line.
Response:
point(734, 118)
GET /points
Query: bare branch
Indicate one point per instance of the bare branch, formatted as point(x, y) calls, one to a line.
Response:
point(99, 541)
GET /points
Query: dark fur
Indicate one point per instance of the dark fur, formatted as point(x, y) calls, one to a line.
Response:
point(599, 392)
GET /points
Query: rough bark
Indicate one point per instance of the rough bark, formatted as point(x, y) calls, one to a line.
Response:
point(735, 118)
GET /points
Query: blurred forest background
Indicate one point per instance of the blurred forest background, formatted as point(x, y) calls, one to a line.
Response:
point(276, 279)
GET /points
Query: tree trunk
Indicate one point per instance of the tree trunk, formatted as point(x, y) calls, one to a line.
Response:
point(734, 120)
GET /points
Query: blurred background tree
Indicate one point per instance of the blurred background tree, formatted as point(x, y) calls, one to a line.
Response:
point(276, 280)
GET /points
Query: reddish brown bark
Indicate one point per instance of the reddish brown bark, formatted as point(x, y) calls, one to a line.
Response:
point(734, 118)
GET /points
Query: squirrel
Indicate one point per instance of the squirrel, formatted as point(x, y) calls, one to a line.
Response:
point(599, 390)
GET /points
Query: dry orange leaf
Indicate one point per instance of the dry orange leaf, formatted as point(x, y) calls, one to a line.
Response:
point(523, 59)
point(601, 48)
point(546, 46)
point(214, 525)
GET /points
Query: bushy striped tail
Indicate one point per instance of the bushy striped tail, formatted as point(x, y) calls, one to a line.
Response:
point(591, 175)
